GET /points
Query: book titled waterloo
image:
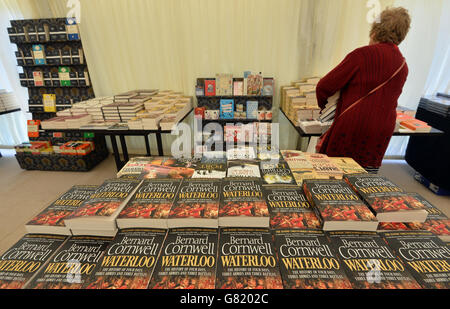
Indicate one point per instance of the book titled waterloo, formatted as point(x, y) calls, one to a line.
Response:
point(386, 199)
point(51, 219)
point(307, 261)
point(247, 260)
point(129, 260)
point(243, 203)
point(196, 204)
point(369, 262)
point(99, 212)
point(424, 254)
point(289, 208)
point(20, 263)
point(72, 265)
point(338, 206)
point(187, 260)
point(150, 205)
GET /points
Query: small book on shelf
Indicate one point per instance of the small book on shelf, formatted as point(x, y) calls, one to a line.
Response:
point(210, 87)
point(227, 109)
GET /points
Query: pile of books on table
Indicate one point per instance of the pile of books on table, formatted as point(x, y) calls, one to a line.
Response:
point(66, 122)
point(7, 101)
point(407, 123)
point(299, 103)
point(209, 222)
point(438, 104)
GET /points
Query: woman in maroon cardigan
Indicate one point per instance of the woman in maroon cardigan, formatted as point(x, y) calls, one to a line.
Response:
point(363, 133)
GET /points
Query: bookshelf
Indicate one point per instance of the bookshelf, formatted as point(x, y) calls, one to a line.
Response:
point(263, 111)
point(53, 68)
point(51, 57)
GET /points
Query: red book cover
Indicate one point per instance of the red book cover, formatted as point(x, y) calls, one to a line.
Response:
point(210, 87)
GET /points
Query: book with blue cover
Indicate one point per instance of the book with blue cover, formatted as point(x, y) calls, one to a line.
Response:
point(227, 109)
point(252, 109)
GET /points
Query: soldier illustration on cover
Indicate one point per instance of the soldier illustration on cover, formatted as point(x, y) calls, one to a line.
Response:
point(146, 211)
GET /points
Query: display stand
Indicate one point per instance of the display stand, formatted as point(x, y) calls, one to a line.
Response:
point(113, 134)
point(51, 55)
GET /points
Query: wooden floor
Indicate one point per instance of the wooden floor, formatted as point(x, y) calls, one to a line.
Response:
point(24, 194)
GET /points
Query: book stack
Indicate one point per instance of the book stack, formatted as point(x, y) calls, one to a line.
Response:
point(318, 166)
point(387, 200)
point(338, 207)
point(7, 101)
point(407, 123)
point(437, 222)
point(438, 104)
point(299, 103)
point(51, 219)
point(97, 215)
point(75, 122)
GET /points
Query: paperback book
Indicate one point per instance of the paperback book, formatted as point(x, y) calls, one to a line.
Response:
point(72, 265)
point(289, 208)
point(97, 215)
point(323, 165)
point(276, 173)
point(307, 261)
point(51, 219)
point(296, 160)
point(226, 109)
point(129, 260)
point(210, 87)
point(134, 167)
point(388, 201)
point(211, 168)
point(150, 205)
point(20, 263)
point(167, 167)
point(425, 256)
point(247, 260)
point(243, 204)
point(224, 84)
point(369, 263)
point(338, 207)
point(437, 222)
point(187, 261)
point(243, 168)
point(196, 204)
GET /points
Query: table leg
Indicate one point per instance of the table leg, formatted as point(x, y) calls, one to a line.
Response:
point(312, 144)
point(123, 143)
point(159, 143)
point(116, 152)
point(147, 146)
